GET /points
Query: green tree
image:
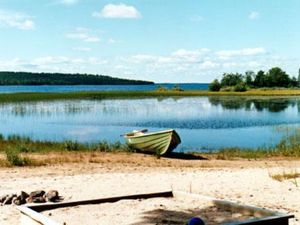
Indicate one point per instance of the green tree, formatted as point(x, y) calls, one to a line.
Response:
point(277, 78)
point(231, 79)
point(260, 79)
point(240, 87)
point(214, 86)
point(249, 77)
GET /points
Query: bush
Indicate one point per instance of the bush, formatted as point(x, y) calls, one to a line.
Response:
point(177, 88)
point(241, 87)
point(71, 145)
point(214, 86)
point(226, 89)
point(161, 88)
point(14, 158)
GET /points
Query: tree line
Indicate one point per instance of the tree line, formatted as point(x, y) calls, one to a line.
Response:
point(28, 78)
point(275, 77)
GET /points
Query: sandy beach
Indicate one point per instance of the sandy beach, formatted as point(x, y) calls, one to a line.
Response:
point(247, 182)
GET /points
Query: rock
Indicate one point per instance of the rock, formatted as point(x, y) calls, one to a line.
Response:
point(52, 196)
point(35, 199)
point(16, 200)
point(39, 193)
point(2, 198)
point(20, 199)
point(9, 199)
point(23, 195)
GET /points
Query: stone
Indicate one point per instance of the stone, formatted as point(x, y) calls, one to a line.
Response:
point(9, 199)
point(39, 193)
point(2, 198)
point(35, 199)
point(20, 199)
point(16, 200)
point(23, 195)
point(52, 196)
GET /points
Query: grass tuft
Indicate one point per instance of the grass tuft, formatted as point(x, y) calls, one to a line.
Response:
point(15, 159)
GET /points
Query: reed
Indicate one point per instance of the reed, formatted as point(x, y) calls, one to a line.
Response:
point(26, 97)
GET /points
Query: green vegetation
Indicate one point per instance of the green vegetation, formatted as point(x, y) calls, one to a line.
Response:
point(14, 159)
point(20, 151)
point(214, 86)
point(275, 77)
point(289, 146)
point(26, 78)
point(18, 144)
point(100, 95)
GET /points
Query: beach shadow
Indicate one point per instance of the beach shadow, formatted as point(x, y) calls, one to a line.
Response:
point(184, 156)
point(173, 217)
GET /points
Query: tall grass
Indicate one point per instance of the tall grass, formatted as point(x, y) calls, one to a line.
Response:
point(14, 158)
point(23, 97)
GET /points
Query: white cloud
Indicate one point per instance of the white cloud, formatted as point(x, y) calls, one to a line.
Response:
point(118, 11)
point(83, 34)
point(16, 19)
point(182, 65)
point(254, 15)
point(225, 54)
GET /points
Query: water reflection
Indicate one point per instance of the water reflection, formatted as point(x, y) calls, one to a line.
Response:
point(202, 122)
point(259, 104)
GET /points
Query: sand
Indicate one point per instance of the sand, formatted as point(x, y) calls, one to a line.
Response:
point(145, 211)
point(247, 182)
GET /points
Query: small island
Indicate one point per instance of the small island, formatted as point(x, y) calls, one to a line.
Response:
point(274, 78)
point(28, 78)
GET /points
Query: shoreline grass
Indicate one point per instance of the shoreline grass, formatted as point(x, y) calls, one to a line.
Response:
point(94, 95)
point(21, 151)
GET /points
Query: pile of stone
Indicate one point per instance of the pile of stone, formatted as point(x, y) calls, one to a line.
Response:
point(34, 197)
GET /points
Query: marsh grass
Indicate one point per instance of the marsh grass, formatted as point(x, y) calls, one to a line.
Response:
point(161, 92)
point(14, 158)
point(17, 148)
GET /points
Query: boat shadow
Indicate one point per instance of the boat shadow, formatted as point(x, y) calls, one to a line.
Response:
point(184, 156)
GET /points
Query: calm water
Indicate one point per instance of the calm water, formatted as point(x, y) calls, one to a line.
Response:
point(204, 123)
point(72, 88)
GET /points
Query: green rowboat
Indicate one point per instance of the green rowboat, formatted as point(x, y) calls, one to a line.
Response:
point(161, 142)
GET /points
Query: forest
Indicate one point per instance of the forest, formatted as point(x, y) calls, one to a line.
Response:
point(28, 78)
point(274, 78)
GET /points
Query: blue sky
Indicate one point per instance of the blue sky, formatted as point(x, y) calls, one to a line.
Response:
point(159, 40)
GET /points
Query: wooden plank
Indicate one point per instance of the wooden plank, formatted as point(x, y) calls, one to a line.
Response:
point(49, 206)
point(275, 220)
point(229, 205)
point(36, 218)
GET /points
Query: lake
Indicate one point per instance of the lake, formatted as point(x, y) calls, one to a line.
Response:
point(204, 123)
point(74, 88)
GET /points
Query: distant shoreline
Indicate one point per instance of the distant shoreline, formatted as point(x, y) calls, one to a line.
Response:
point(30, 78)
point(92, 95)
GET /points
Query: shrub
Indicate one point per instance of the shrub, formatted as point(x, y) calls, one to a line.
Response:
point(226, 89)
point(103, 146)
point(214, 86)
point(14, 158)
point(177, 88)
point(161, 88)
point(71, 145)
point(240, 87)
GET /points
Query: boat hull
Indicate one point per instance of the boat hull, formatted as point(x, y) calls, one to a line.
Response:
point(160, 143)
